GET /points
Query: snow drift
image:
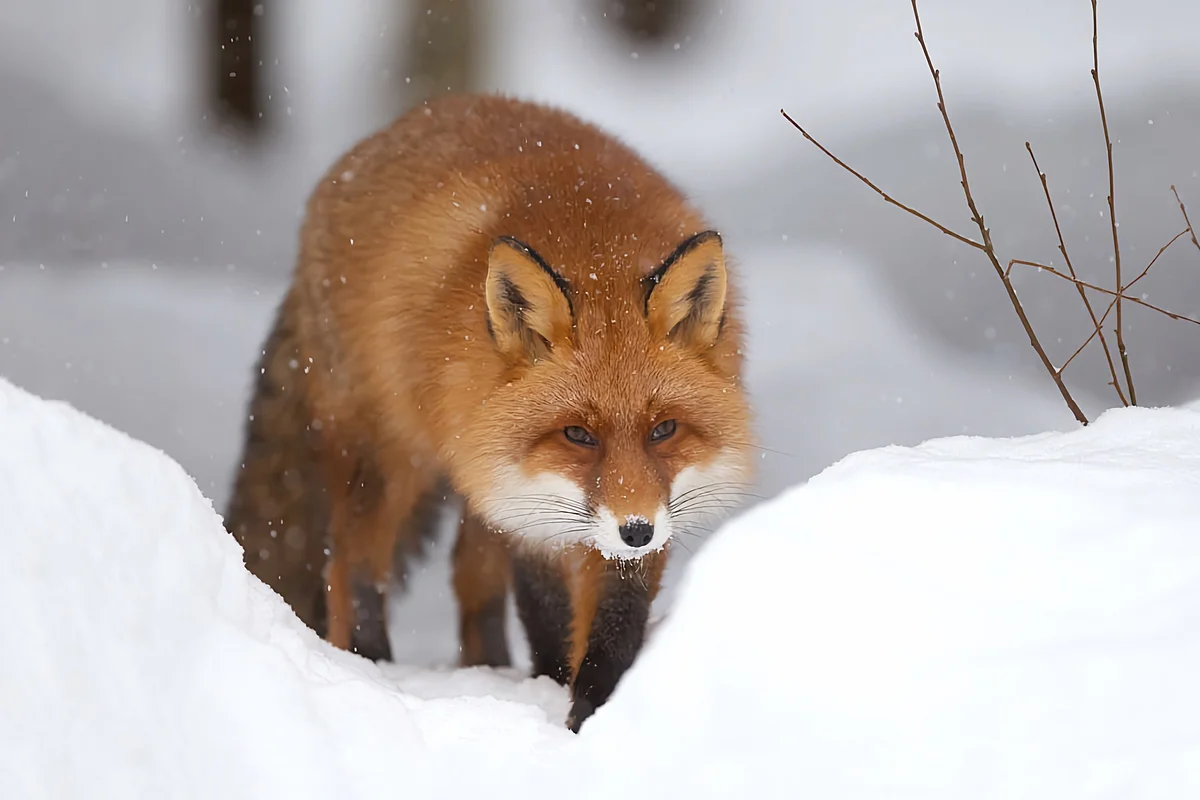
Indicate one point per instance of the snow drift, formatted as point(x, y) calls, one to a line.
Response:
point(969, 618)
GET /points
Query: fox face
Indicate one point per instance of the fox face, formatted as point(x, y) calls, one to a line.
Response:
point(622, 422)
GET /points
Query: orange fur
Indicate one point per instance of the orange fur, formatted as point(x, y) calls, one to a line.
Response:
point(481, 585)
point(586, 585)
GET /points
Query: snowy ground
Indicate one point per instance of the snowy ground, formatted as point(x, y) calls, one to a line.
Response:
point(974, 617)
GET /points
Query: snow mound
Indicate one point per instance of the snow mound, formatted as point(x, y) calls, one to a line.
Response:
point(969, 618)
point(146, 662)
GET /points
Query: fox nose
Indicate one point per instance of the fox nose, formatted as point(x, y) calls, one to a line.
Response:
point(637, 532)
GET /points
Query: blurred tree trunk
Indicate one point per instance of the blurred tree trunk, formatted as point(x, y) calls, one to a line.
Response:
point(235, 64)
point(441, 52)
point(653, 22)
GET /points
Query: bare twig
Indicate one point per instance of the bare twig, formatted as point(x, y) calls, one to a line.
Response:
point(1119, 296)
point(1183, 210)
point(1097, 330)
point(1062, 248)
point(877, 190)
point(988, 247)
point(1112, 207)
point(1161, 250)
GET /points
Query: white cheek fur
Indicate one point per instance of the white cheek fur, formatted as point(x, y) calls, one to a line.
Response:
point(545, 508)
point(690, 484)
point(608, 535)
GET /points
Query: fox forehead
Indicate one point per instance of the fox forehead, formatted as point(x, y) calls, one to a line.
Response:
point(623, 382)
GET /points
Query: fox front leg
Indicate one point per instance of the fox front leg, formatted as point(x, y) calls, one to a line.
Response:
point(624, 593)
point(544, 606)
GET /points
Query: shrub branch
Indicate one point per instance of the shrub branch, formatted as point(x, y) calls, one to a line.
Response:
point(1062, 248)
point(1112, 206)
point(1119, 295)
point(1098, 329)
point(1183, 210)
point(879, 191)
point(988, 248)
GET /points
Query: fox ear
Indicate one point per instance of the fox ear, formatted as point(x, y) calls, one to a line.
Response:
point(686, 301)
point(528, 303)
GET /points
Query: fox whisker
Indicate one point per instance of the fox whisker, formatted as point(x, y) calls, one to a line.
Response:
point(731, 488)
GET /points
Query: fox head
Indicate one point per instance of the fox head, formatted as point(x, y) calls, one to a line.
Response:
point(621, 420)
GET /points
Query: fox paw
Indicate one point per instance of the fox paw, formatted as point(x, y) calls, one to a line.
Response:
point(581, 709)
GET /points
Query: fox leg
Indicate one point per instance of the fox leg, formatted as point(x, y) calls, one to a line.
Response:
point(544, 606)
point(612, 607)
point(355, 618)
point(278, 509)
point(367, 514)
point(481, 586)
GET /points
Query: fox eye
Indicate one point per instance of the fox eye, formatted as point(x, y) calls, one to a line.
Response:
point(580, 436)
point(663, 430)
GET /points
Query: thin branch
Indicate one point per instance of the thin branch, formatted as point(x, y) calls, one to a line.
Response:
point(1062, 248)
point(1119, 296)
point(877, 190)
point(1112, 207)
point(1097, 330)
point(988, 247)
point(1183, 209)
point(1161, 250)
point(1088, 340)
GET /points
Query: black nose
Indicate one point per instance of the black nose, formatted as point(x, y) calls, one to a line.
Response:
point(637, 533)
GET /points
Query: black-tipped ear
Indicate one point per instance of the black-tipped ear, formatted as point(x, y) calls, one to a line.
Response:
point(686, 301)
point(528, 303)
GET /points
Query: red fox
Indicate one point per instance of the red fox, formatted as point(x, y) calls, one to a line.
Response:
point(497, 300)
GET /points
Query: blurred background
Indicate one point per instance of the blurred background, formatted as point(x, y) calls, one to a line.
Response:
point(155, 156)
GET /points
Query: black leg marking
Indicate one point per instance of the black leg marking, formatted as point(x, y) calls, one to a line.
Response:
point(369, 637)
point(490, 624)
point(320, 615)
point(544, 606)
point(420, 529)
point(618, 630)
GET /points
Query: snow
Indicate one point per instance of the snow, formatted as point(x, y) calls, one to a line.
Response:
point(164, 354)
point(149, 662)
point(971, 617)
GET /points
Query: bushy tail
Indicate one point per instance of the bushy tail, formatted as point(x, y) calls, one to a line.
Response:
point(279, 508)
